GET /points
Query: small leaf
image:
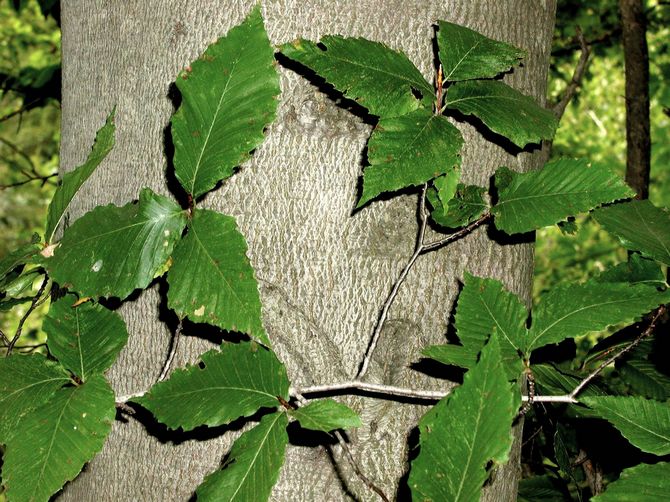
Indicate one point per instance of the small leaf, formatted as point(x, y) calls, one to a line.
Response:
point(252, 466)
point(326, 415)
point(409, 151)
point(645, 423)
point(640, 226)
point(504, 110)
point(72, 181)
point(641, 482)
point(86, 339)
point(229, 98)
point(462, 433)
point(111, 251)
point(15, 259)
point(211, 279)
point(26, 382)
point(22, 284)
point(377, 77)
point(562, 188)
point(466, 206)
point(466, 54)
point(234, 382)
point(57, 439)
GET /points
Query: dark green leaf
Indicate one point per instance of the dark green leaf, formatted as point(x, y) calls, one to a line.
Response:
point(541, 489)
point(229, 96)
point(466, 54)
point(643, 482)
point(72, 181)
point(467, 205)
point(21, 285)
point(644, 378)
point(111, 251)
point(409, 151)
point(85, 339)
point(562, 188)
point(15, 259)
point(211, 279)
point(326, 415)
point(252, 466)
point(380, 79)
point(234, 382)
point(553, 381)
point(504, 110)
point(637, 270)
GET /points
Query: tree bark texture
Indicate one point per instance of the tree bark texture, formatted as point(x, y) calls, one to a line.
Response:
point(323, 270)
point(636, 62)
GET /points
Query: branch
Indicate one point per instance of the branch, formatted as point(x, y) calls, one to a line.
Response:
point(33, 305)
point(575, 82)
point(430, 246)
point(171, 353)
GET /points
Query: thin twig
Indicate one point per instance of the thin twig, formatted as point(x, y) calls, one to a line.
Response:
point(456, 235)
point(33, 305)
point(578, 74)
point(5, 340)
point(171, 353)
point(44, 179)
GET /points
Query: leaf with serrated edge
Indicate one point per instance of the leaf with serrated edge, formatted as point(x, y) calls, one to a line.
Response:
point(326, 415)
point(650, 482)
point(229, 97)
point(462, 433)
point(643, 422)
point(504, 110)
point(26, 382)
point(234, 382)
point(377, 77)
point(640, 226)
point(466, 54)
point(467, 205)
point(409, 151)
point(637, 270)
point(57, 439)
point(73, 181)
point(562, 188)
point(111, 251)
point(573, 310)
point(211, 279)
point(85, 339)
point(252, 466)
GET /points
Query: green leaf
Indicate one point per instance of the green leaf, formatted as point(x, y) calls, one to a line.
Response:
point(572, 310)
point(211, 279)
point(377, 77)
point(645, 423)
point(641, 374)
point(637, 270)
point(234, 382)
point(326, 415)
point(639, 483)
point(640, 226)
point(111, 251)
point(57, 439)
point(72, 181)
point(409, 151)
point(85, 339)
point(229, 97)
point(252, 466)
point(462, 433)
point(22, 284)
point(562, 188)
point(503, 110)
point(463, 208)
point(553, 381)
point(466, 54)
point(541, 489)
point(15, 259)
point(485, 307)
point(26, 382)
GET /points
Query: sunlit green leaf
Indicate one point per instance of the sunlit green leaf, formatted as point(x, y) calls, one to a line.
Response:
point(639, 483)
point(463, 208)
point(326, 415)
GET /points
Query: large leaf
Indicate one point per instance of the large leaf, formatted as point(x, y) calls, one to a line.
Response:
point(504, 110)
point(112, 250)
point(645, 423)
point(85, 339)
point(252, 466)
point(466, 205)
point(485, 307)
point(229, 96)
point(234, 382)
point(380, 79)
point(640, 226)
point(639, 483)
point(410, 150)
point(462, 433)
point(72, 181)
point(57, 439)
point(466, 54)
point(211, 279)
point(562, 188)
point(326, 415)
point(573, 310)
point(26, 382)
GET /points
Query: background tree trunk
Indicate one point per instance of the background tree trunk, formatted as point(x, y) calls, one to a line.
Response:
point(323, 271)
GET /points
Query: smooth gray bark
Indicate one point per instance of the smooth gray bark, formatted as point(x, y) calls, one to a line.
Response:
point(323, 271)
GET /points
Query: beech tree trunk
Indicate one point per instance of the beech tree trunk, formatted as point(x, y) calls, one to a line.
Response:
point(323, 270)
